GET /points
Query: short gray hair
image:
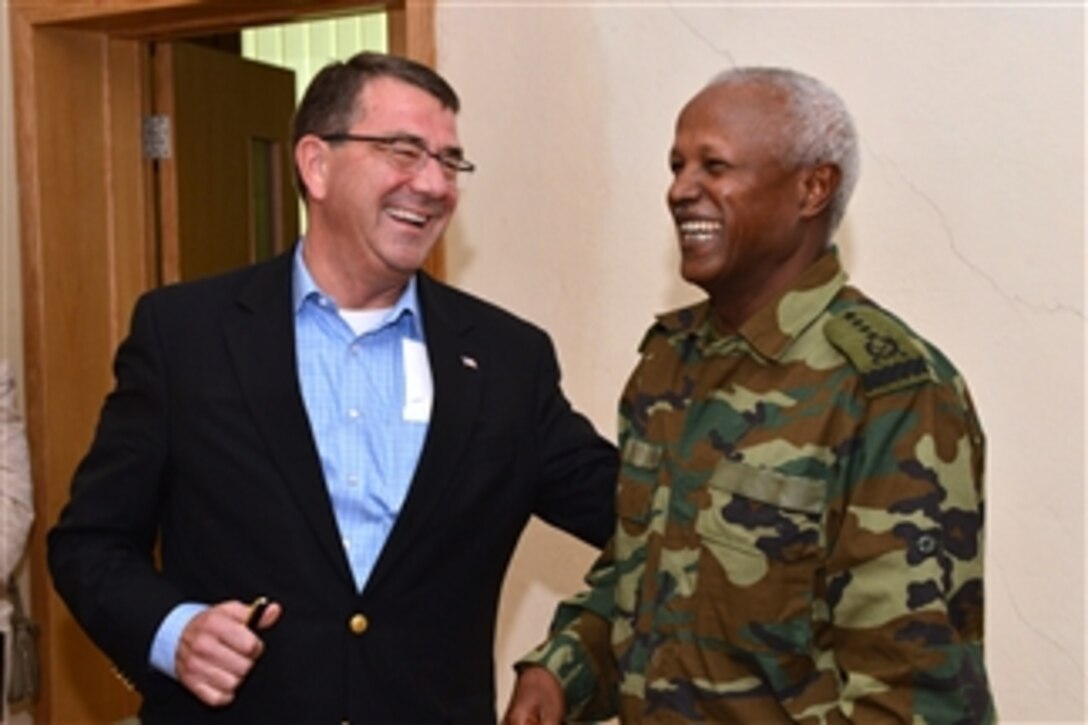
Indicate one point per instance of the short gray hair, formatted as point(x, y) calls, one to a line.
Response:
point(820, 129)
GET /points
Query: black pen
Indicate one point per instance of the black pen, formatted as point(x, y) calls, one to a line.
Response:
point(256, 610)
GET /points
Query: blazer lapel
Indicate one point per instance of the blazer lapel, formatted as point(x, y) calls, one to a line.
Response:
point(458, 381)
point(261, 339)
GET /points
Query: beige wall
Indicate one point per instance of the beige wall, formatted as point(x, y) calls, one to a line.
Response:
point(968, 221)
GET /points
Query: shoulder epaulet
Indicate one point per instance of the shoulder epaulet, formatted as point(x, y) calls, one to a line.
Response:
point(879, 347)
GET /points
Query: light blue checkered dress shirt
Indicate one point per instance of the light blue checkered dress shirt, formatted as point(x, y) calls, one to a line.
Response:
point(357, 392)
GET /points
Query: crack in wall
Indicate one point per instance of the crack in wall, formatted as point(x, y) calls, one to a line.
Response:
point(967, 262)
point(675, 11)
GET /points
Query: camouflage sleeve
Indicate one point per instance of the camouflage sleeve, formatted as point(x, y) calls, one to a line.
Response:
point(904, 578)
point(577, 650)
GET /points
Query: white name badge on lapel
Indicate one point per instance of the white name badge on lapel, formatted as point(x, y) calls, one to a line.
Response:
point(418, 386)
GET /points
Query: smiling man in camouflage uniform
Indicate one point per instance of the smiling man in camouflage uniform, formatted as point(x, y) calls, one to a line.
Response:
point(801, 497)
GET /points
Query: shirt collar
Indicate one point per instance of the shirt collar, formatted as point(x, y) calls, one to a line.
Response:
point(304, 288)
point(772, 329)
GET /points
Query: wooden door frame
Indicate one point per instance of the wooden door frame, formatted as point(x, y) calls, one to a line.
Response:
point(81, 82)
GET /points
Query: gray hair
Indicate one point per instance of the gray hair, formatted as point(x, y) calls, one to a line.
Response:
point(819, 131)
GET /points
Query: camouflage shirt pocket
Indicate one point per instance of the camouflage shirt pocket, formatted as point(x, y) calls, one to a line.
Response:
point(762, 544)
point(764, 513)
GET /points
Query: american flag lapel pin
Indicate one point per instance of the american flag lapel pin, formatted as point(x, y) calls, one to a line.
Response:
point(469, 362)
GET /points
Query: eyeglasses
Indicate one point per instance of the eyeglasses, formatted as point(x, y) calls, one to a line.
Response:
point(410, 153)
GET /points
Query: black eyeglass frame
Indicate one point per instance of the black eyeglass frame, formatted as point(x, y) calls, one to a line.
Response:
point(446, 159)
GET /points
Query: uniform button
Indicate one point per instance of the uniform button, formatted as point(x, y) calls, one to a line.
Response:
point(926, 544)
point(358, 623)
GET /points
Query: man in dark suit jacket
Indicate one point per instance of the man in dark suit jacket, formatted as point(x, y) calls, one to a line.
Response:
point(337, 432)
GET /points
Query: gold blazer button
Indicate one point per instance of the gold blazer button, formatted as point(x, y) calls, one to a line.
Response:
point(358, 623)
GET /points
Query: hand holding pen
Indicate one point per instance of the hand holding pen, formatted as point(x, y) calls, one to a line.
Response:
point(256, 613)
point(219, 646)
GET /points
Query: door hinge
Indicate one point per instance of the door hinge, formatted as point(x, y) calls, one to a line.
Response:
point(155, 131)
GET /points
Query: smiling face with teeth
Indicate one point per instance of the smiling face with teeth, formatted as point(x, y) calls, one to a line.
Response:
point(373, 223)
point(748, 223)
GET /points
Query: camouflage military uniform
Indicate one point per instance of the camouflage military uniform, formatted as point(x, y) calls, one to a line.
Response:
point(800, 527)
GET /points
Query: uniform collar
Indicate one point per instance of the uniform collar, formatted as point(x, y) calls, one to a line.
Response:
point(773, 328)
